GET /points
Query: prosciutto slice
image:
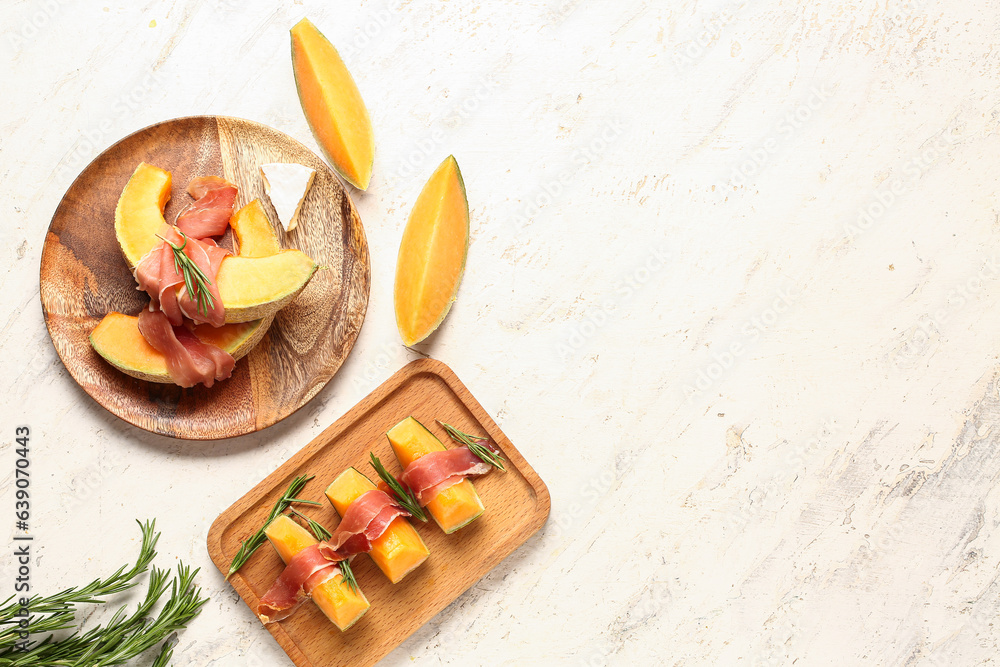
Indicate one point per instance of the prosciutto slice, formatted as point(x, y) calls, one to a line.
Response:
point(209, 215)
point(304, 572)
point(157, 274)
point(365, 520)
point(189, 360)
point(434, 472)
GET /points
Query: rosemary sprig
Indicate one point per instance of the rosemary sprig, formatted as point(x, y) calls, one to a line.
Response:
point(476, 446)
point(195, 280)
point(92, 593)
point(315, 527)
point(404, 496)
point(348, 574)
point(322, 534)
point(255, 541)
point(124, 636)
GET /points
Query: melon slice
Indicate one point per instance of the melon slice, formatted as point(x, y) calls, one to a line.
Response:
point(255, 237)
point(332, 105)
point(139, 214)
point(287, 184)
point(117, 339)
point(432, 254)
point(255, 287)
point(251, 287)
point(341, 604)
point(453, 508)
point(397, 551)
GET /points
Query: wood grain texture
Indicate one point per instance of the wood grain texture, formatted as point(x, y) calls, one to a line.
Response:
point(83, 277)
point(517, 505)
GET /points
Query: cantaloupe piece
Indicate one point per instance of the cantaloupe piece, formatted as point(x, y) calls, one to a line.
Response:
point(455, 507)
point(255, 287)
point(432, 254)
point(255, 237)
point(139, 214)
point(117, 339)
point(400, 548)
point(332, 104)
point(251, 287)
point(342, 605)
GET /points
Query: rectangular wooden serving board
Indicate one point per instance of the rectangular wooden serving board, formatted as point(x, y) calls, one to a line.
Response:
point(517, 505)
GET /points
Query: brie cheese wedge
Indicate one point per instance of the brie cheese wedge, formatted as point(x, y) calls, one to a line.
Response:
point(286, 184)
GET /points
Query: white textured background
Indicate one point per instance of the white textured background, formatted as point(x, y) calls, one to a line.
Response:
point(732, 290)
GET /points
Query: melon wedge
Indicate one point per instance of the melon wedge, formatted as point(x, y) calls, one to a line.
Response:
point(139, 213)
point(118, 340)
point(432, 254)
point(251, 287)
point(255, 237)
point(332, 105)
point(117, 337)
point(342, 605)
point(255, 287)
point(455, 507)
point(397, 551)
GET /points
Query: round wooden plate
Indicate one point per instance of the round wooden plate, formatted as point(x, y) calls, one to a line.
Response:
point(84, 277)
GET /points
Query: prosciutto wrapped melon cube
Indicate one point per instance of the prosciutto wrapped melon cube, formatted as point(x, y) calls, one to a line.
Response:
point(342, 605)
point(397, 551)
point(454, 507)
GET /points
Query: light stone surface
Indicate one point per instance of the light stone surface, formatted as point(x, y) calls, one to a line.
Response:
point(733, 291)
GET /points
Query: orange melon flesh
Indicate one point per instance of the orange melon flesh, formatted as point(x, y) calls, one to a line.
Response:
point(251, 287)
point(455, 507)
point(335, 598)
point(332, 104)
point(432, 254)
point(399, 549)
point(255, 237)
point(117, 339)
point(139, 213)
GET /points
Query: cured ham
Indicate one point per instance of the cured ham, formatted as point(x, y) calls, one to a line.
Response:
point(435, 471)
point(365, 520)
point(209, 215)
point(189, 360)
point(199, 187)
point(304, 572)
point(157, 275)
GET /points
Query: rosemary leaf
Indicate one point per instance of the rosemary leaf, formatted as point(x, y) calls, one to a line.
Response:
point(321, 533)
point(404, 496)
point(348, 574)
point(124, 636)
point(254, 542)
point(315, 527)
point(195, 281)
point(479, 445)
